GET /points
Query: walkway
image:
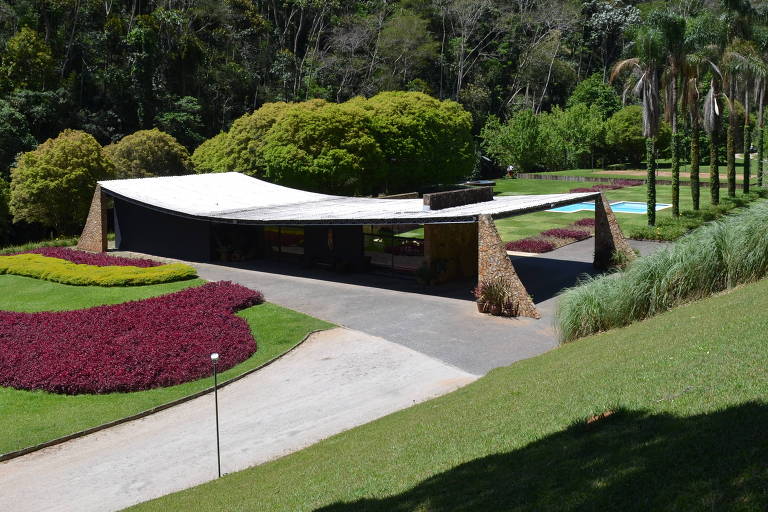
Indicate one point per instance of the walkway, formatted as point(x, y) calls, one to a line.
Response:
point(441, 322)
point(335, 381)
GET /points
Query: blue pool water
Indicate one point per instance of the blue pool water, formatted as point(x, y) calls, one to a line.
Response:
point(617, 207)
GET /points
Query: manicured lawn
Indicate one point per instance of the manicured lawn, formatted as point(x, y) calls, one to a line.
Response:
point(665, 166)
point(688, 431)
point(30, 295)
point(28, 418)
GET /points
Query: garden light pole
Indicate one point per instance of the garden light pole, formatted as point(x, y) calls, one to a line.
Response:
point(215, 359)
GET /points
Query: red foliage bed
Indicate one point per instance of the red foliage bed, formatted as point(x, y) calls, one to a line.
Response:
point(89, 258)
point(132, 346)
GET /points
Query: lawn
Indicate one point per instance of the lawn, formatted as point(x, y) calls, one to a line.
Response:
point(28, 418)
point(522, 226)
point(666, 414)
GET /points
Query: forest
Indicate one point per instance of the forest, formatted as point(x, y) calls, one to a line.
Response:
point(548, 84)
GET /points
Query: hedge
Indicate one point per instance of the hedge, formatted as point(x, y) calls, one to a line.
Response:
point(66, 272)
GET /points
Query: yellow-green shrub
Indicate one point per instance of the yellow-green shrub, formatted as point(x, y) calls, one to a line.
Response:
point(66, 272)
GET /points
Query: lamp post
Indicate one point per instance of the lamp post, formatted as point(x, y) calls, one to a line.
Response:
point(215, 359)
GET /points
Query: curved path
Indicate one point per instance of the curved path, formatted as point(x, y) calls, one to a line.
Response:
point(336, 380)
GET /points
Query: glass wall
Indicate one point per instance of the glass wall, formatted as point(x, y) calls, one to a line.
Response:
point(285, 242)
point(397, 247)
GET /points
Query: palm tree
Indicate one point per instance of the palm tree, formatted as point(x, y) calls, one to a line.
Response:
point(742, 64)
point(647, 47)
point(712, 127)
point(691, 99)
point(672, 28)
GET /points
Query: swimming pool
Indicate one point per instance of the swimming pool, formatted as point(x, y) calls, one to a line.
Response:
point(617, 207)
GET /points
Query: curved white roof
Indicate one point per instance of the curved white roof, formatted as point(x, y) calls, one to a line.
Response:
point(235, 197)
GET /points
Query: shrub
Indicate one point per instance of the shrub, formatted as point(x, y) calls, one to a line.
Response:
point(575, 234)
point(711, 259)
point(493, 297)
point(588, 221)
point(54, 184)
point(66, 272)
point(624, 136)
point(157, 342)
point(89, 258)
point(530, 245)
point(148, 153)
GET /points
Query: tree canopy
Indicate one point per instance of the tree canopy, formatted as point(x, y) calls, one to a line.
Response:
point(148, 153)
point(53, 185)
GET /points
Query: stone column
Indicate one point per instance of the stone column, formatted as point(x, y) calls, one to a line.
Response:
point(450, 249)
point(611, 248)
point(94, 236)
point(494, 264)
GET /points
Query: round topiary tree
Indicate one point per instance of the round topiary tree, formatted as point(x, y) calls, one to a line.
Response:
point(53, 185)
point(148, 153)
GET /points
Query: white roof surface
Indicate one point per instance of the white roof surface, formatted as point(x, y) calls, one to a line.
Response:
point(236, 197)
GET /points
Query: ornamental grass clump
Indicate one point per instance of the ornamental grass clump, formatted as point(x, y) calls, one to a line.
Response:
point(157, 342)
point(67, 272)
point(709, 260)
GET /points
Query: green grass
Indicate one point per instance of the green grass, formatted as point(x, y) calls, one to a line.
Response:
point(26, 294)
point(665, 166)
point(688, 433)
point(31, 417)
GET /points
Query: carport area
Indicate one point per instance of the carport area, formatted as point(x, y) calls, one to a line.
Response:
point(185, 217)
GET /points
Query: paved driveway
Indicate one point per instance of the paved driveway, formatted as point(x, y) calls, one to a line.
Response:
point(335, 381)
point(441, 322)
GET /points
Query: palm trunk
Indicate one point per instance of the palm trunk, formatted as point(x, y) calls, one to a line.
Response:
point(675, 156)
point(730, 152)
point(747, 156)
point(747, 141)
point(695, 155)
point(650, 155)
point(714, 168)
point(760, 154)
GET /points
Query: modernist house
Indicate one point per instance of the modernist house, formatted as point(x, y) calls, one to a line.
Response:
point(231, 216)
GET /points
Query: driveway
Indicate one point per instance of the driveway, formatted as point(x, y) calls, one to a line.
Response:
point(441, 322)
point(336, 380)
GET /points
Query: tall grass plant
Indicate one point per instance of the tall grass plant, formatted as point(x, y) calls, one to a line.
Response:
point(709, 260)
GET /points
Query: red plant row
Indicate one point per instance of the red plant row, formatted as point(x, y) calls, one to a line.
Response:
point(531, 245)
point(156, 342)
point(90, 258)
point(576, 234)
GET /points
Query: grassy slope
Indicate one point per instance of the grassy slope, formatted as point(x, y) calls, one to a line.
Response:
point(689, 432)
point(28, 418)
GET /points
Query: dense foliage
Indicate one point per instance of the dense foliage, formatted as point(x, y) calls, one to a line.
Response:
point(132, 346)
point(81, 274)
point(53, 185)
point(713, 258)
point(394, 141)
point(148, 153)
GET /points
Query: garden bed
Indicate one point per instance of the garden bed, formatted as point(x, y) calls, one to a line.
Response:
point(156, 342)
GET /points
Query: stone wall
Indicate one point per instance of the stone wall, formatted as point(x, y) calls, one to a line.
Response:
point(451, 249)
point(94, 236)
point(451, 198)
point(611, 248)
point(494, 264)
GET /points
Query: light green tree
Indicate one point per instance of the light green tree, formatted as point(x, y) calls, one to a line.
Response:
point(53, 184)
point(27, 62)
point(516, 142)
point(148, 153)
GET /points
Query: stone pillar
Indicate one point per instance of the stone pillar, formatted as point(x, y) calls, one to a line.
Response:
point(94, 236)
point(494, 263)
point(449, 249)
point(611, 248)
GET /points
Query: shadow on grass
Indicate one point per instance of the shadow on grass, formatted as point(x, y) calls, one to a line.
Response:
point(631, 460)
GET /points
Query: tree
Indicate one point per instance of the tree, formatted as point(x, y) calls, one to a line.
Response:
point(648, 49)
point(571, 137)
point(148, 153)
point(182, 119)
point(28, 62)
point(712, 113)
point(516, 142)
point(5, 214)
point(594, 91)
point(14, 137)
point(53, 185)
point(672, 29)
